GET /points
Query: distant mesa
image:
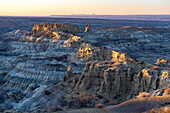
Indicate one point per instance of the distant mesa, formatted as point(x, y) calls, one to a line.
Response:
point(42, 29)
point(65, 27)
point(117, 17)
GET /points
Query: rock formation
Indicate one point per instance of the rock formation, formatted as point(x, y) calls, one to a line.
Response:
point(59, 66)
point(87, 28)
point(115, 80)
point(74, 42)
point(162, 62)
point(40, 29)
point(89, 52)
point(69, 74)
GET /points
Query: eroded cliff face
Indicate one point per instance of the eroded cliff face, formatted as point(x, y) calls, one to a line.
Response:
point(121, 79)
point(52, 66)
point(40, 29)
point(36, 61)
point(104, 82)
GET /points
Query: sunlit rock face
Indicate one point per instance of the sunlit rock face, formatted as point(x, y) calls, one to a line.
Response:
point(119, 81)
point(41, 29)
point(162, 62)
point(87, 28)
point(73, 42)
point(89, 52)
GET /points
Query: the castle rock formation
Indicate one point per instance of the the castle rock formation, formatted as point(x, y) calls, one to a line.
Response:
point(118, 81)
point(40, 29)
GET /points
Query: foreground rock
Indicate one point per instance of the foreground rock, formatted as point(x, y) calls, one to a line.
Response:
point(113, 82)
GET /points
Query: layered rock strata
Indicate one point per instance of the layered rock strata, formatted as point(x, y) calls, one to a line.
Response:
point(43, 55)
point(118, 80)
point(93, 67)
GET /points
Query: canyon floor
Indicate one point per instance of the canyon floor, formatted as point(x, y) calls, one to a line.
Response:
point(84, 65)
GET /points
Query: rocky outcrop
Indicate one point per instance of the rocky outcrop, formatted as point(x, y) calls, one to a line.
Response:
point(40, 29)
point(47, 37)
point(69, 74)
point(87, 28)
point(160, 92)
point(74, 42)
point(110, 80)
point(162, 62)
point(89, 52)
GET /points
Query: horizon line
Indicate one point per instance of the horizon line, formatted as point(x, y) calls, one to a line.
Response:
point(87, 15)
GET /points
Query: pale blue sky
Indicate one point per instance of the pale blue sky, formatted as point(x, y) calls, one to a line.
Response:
point(67, 7)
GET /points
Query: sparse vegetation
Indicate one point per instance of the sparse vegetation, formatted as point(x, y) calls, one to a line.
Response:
point(161, 110)
point(100, 105)
point(143, 94)
point(105, 62)
point(54, 109)
point(83, 100)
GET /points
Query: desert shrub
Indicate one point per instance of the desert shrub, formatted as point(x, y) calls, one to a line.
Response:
point(153, 111)
point(119, 64)
point(111, 102)
point(141, 62)
point(54, 108)
point(46, 92)
point(105, 62)
point(164, 110)
point(83, 100)
point(109, 66)
point(100, 105)
point(143, 94)
point(43, 46)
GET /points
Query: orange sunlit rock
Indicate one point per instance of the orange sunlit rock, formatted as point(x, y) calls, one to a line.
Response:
point(118, 57)
point(87, 28)
point(165, 74)
point(162, 61)
point(145, 72)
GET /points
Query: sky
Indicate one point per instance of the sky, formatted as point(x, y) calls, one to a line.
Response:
point(68, 7)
